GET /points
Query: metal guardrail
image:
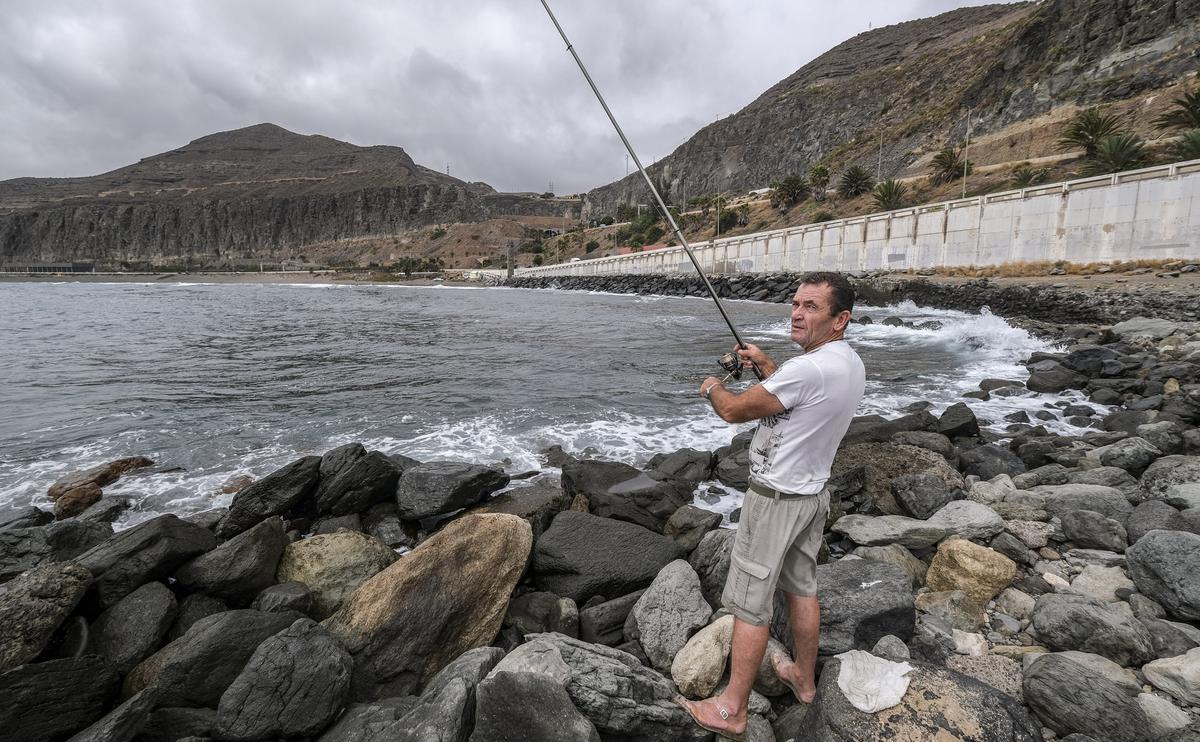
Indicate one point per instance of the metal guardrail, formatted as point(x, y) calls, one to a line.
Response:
point(1157, 172)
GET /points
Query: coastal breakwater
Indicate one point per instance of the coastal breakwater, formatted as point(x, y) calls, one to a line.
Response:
point(1148, 214)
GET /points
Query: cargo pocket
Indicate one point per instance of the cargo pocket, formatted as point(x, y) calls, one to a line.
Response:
point(751, 586)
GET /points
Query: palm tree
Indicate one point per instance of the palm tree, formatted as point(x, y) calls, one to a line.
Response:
point(818, 181)
point(855, 181)
point(948, 165)
point(788, 192)
point(1117, 153)
point(1187, 147)
point(1184, 115)
point(1088, 128)
point(1025, 176)
point(890, 194)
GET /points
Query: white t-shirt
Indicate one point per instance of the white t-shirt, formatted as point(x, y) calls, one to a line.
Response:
point(820, 391)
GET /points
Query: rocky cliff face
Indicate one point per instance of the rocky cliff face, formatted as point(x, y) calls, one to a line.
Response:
point(256, 193)
point(909, 85)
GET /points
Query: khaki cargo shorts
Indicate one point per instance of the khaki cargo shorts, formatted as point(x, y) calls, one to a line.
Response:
point(776, 545)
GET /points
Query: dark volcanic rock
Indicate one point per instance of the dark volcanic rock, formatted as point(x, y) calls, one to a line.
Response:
point(353, 488)
point(688, 524)
point(1066, 622)
point(275, 494)
point(958, 421)
point(177, 723)
point(604, 623)
point(446, 711)
point(191, 609)
point(52, 700)
point(377, 720)
point(922, 495)
point(32, 607)
point(528, 707)
point(23, 549)
point(134, 628)
point(711, 561)
point(537, 612)
point(1070, 698)
point(122, 723)
point(685, 465)
point(1154, 515)
point(286, 596)
point(1088, 529)
point(582, 555)
point(292, 686)
point(1164, 565)
point(990, 460)
point(148, 551)
point(733, 461)
point(537, 504)
point(240, 568)
point(1052, 376)
point(23, 517)
point(440, 487)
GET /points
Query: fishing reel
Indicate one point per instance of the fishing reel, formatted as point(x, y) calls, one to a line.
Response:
point(732, 363)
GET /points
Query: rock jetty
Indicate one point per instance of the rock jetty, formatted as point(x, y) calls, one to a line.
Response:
point(1042, 585)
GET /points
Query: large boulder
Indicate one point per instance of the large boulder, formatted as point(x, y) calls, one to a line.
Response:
point(1071, 699)
point(1051, 376)
point(883, 462)
point(699, 665)
point(97, 476)
point(669, 612)
point(688, 526)
point(357, 483)
point(122, 723)
point(1153, 515)
point(619, 491)
point(868, 530)
point(897, 556)
point(1164, 565)
point(292, 686)
point(733, 461)
point(939, 704)
point(621, 698)
point(23, 516)
point(32, 607)
point(710, 559)
point(440, 487)
point(1131, 454)
point(1065, 621)
point(73, 502)
point(53, 700)
point(687, 465)
point(22, 549)
point(922, 495)
point(196, 668)
point(976, 570)
point(134, 628)
point(967, 519)
point(1167, 472)
point(527, 707)
point(604, 623)
point(240, 568)
point(537, 504)
point(445, 711)
point(1179, 676)
point(1062, 498)
point(152, 550)
point(1088, 529)
point(463, 575)
point(991, 460)
point(583, 555)
point(275, 494)
point(958, 421)
point(333, 566)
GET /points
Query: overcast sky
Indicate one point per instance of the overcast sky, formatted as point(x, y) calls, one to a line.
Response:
point(487, 86)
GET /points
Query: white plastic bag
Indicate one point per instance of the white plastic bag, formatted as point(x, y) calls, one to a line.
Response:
point(872, 683)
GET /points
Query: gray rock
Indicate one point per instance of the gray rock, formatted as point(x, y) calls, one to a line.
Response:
point(1052, 376)
point(1183, 496)
point(898, 556)
point(33, 606)
point(935, 442)
point(1166, 436)
point(1091, 530)
point(1107, 501)
point(1160, 476)
point(967, 519)
point(275, 494)
point(192, 609)
point(624, 493)
point(134, 628)
point(27, 516)
point(582, 555)
point(1068, 698)
point(1144, 327)
point(881, 530)
point(1012, 547)
point(54, 699)
point(954, 607)
point(122, 723)
point(922, 495)
point(22, 549)
point(711, 561)
point(891, 648)
point(197, 668)
point(376, 720)
point(1125, 679)
point(1088, 359)
point(1075, 622)
point(446, 710)
point(149, 551)
point(1131, 454)
point(958, 421)
point(604, 623)
point(527, 707)
point(669, 612)
point(1154, 515)
point(177, 723)
point(357, 484)
point(439, 487)
point(286, 596)
point(1105, 476)
point(292, 686)
point(537, 504)
point(1047, 474)
point(334, 523)
point(689, 524)
point(991, 460)
point(686, 465)
point(733, 461)
point(539, 612)
point(1164, 566)
point(1165, 717)
point(622, 698)
point(1178, 676)
point(1171, 638)
point(107, 510)
point(240, 568)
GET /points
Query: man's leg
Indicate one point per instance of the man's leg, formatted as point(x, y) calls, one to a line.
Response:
point(804, 615)
point(745, 656)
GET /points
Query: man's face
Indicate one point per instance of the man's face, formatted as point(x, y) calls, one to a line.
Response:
point(811, 322)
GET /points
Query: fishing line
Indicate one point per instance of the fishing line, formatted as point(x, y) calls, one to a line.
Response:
point(730, 362)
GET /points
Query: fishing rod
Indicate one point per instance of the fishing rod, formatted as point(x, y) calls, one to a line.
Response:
point(730, 361)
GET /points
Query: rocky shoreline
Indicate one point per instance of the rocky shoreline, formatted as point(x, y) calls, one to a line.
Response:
point(1041, 586)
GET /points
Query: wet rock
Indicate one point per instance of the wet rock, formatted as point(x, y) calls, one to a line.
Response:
point(897, 556)
point(990, 460)
point(98, 476)
point(28, 516)
point(1178, 676)
point(464, 574)
point(1091, 530)
point(75, 501)
point(688, 524)
point(197, 668)
point(33, 606)
point(134, 628)
point(293, 685)
point(922, 495)
point(54, 699)
point(122, 723)
point(537, 504)
point(108, 509)
point(149, 551)
point(191, 609)
point(1087, 625)
point(286, 596)
point(733, 461)
point(1068, 699)
point(22, 549)
point(967, 519)
point(711, 561)
point(685, 465)
point(1052, 376)
point(582, 555)
point(240, 568)
point(333, 566)
point(1164, 565)
point(669, 612)
point(275, 494)
point(357, 483)
point(527, 707)
point(977, 570)
point(888, 529)
point(958, 421)
point(439, 487)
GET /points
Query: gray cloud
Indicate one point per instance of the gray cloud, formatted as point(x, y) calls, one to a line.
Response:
point(485, 85)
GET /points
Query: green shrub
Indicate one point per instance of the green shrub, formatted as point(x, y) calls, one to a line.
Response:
point(727, 221)
point(948, 165)
point(890, 194)
point(1185, 114)
point(818, 181)
point(822, 216)
point(652, 234)
point(437, 234)
point(1025, 176)
point(1088, 128)
point(591, 246)
point(855, 181)
point(788, 192)
point(1187, 147)
point(607, 221)
point(1117, 153)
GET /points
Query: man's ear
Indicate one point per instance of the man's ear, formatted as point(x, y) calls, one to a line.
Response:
point(842, 320)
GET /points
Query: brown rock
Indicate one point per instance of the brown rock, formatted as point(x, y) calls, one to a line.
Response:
point(75, 501)
point(98, 475)
point(447, 596)
point(977, 570)
point(883, 462)
point(236, 484)
point(333, 565)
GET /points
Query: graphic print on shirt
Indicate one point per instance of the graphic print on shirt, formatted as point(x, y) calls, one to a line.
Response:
point(766, 442)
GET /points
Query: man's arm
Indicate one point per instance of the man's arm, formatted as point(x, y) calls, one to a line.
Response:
point(752, 355)
point(752, 404)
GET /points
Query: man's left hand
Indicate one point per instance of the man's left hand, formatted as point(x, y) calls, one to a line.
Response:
point(709, 382)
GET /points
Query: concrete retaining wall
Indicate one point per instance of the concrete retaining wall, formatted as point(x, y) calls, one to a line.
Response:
point(1142, 214)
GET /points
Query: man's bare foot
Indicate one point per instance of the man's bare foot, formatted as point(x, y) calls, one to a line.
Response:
point(805, 689)
point(708, 715)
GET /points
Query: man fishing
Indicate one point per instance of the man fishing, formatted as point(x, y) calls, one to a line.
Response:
point(804, 407)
